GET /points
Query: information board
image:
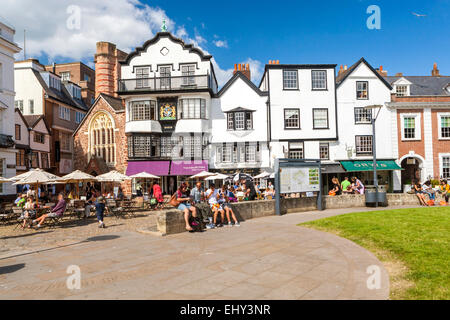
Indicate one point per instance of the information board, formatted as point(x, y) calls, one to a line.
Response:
point(304, 179)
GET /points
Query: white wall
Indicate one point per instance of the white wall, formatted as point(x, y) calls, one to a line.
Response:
point(28, 87)
point(378, 94)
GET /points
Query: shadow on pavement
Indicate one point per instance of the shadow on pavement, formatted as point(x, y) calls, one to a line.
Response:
point(102, 238)
point(12, 268)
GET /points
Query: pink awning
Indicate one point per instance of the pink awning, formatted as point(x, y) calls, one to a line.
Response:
point(188, 168)
point(157, 168)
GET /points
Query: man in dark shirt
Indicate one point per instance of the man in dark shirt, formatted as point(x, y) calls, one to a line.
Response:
point(56, 211)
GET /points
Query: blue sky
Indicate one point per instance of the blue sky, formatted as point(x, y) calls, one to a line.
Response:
point(244, 31)
point(323, 31)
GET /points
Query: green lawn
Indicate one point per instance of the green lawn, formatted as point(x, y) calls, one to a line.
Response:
point(417, 238)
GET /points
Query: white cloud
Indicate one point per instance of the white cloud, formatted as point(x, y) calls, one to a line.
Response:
point(221, 43)
point(127, 23)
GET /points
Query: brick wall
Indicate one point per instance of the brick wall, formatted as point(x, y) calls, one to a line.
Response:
point(81, 141)
point(439, 146)
point(405, 146)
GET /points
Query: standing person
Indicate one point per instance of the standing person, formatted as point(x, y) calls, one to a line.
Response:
point(120, 194)
point(212, 197)
point(100, 211)
point(183, 199)
point(157, 194)
point(138, 190)
point(56, 211)
point(197, 197)
point(444, 189)
point(346, 186)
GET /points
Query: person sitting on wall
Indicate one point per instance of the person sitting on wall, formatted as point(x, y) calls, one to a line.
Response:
point(212, 197)
point(335, 187)
point(428, 190)
point(357, 186)
point(417, 187)
point(56, 211)
point(197, 196)
point(224, 201)
point(183, 199)
point(249, 189)
point(346, 186)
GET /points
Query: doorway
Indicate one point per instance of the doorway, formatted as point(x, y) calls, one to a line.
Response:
point(412, 170)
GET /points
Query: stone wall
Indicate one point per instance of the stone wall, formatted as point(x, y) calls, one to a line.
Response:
point(172, 221)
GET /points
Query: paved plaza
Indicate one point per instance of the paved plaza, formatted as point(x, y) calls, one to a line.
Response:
point(266, 258)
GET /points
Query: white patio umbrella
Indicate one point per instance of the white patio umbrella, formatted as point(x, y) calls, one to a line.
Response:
point(112, 176)
point(144, 175)
point(263, 174)
point(4, 180)
point(76, 177)
point(238, 176)
point(37, 177)
point(202, 175)
point(218, 176)
point(22, 175)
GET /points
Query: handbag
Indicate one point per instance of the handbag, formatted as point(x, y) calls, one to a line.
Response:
point(173, 201)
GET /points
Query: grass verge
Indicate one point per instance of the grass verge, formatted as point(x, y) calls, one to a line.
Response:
point(413, 244)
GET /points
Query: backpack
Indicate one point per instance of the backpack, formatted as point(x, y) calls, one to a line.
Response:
point(195, 224)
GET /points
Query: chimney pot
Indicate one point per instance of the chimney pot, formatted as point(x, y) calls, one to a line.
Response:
point(345, 67)
point(435, 71)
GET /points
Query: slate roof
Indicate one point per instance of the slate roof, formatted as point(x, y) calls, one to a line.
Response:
point(62, 96)
point(240, 75)
point(115, 103)
point(425, 85)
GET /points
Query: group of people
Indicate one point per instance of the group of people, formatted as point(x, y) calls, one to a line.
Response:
point(347, 186)
point(212, 206)
point(30, 207)
point(425, 190)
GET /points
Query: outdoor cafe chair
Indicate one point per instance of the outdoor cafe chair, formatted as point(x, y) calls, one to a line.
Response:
point(6, 213)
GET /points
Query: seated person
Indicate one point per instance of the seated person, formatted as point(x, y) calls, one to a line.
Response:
point(224, 201)
point(90, 203)
point(212, 197)
point(346, 186)
point(249, 189)
point(335, 188)
point(444, 189)
point(21, 200)
point(120, 194)
point(417, 187)
point(56, 211)
point(184, 205)
point(44, 197)
point(29, 212)
point(428, 190)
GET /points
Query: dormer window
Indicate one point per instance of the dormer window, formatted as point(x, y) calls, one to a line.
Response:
point(65, 76)
point(76, 92)
point(240, 119)
point(401, 90)
point(55, 83)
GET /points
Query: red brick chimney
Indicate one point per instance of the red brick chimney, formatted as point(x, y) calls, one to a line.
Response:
point(435, 71)
point(107, 68)
point(341, 69)
point(244, 69)
point(382, 72)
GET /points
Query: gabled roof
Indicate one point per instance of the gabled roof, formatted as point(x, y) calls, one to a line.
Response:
point(33, 120)
point(156, 38)
point(425, 85)
point(113, 102)
point(341, 77)
point(21, 115)
point(240, 75)
point(239, 109)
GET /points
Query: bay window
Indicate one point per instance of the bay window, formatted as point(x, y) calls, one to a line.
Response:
point(192, 108)
point(143, 110)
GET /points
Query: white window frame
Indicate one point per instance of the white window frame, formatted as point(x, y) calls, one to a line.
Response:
point(440, 115)
point(318, 80)
point(441, 164)
point(31, 106)
point(142, 77)
point(65, 76)
point(402, 94)
point(288, 80)
point(418, 133)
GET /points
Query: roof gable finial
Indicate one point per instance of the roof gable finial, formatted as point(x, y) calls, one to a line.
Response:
point(164, 27)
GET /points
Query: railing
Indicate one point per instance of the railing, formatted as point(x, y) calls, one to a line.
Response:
point(165, 83)
point(6, 141)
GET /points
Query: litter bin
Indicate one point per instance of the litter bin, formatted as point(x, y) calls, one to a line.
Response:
point(372, 199)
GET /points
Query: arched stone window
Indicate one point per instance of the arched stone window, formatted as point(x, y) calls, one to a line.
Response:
point(101, 138)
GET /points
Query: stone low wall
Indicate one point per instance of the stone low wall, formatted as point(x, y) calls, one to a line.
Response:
point(172, 221)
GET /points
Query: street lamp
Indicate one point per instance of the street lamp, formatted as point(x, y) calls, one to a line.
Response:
point(375, 113)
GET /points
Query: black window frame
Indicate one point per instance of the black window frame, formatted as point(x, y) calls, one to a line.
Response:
point(284, 119)
point(296, 74)
point(296, 149)
point(356, 90)
point(233, 115)
point(356, 145)
point(18, 126)
point(328, 119)
point(321, 144)
point(326, 80)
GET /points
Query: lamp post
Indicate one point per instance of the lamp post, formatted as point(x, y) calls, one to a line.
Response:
point(375, 113)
